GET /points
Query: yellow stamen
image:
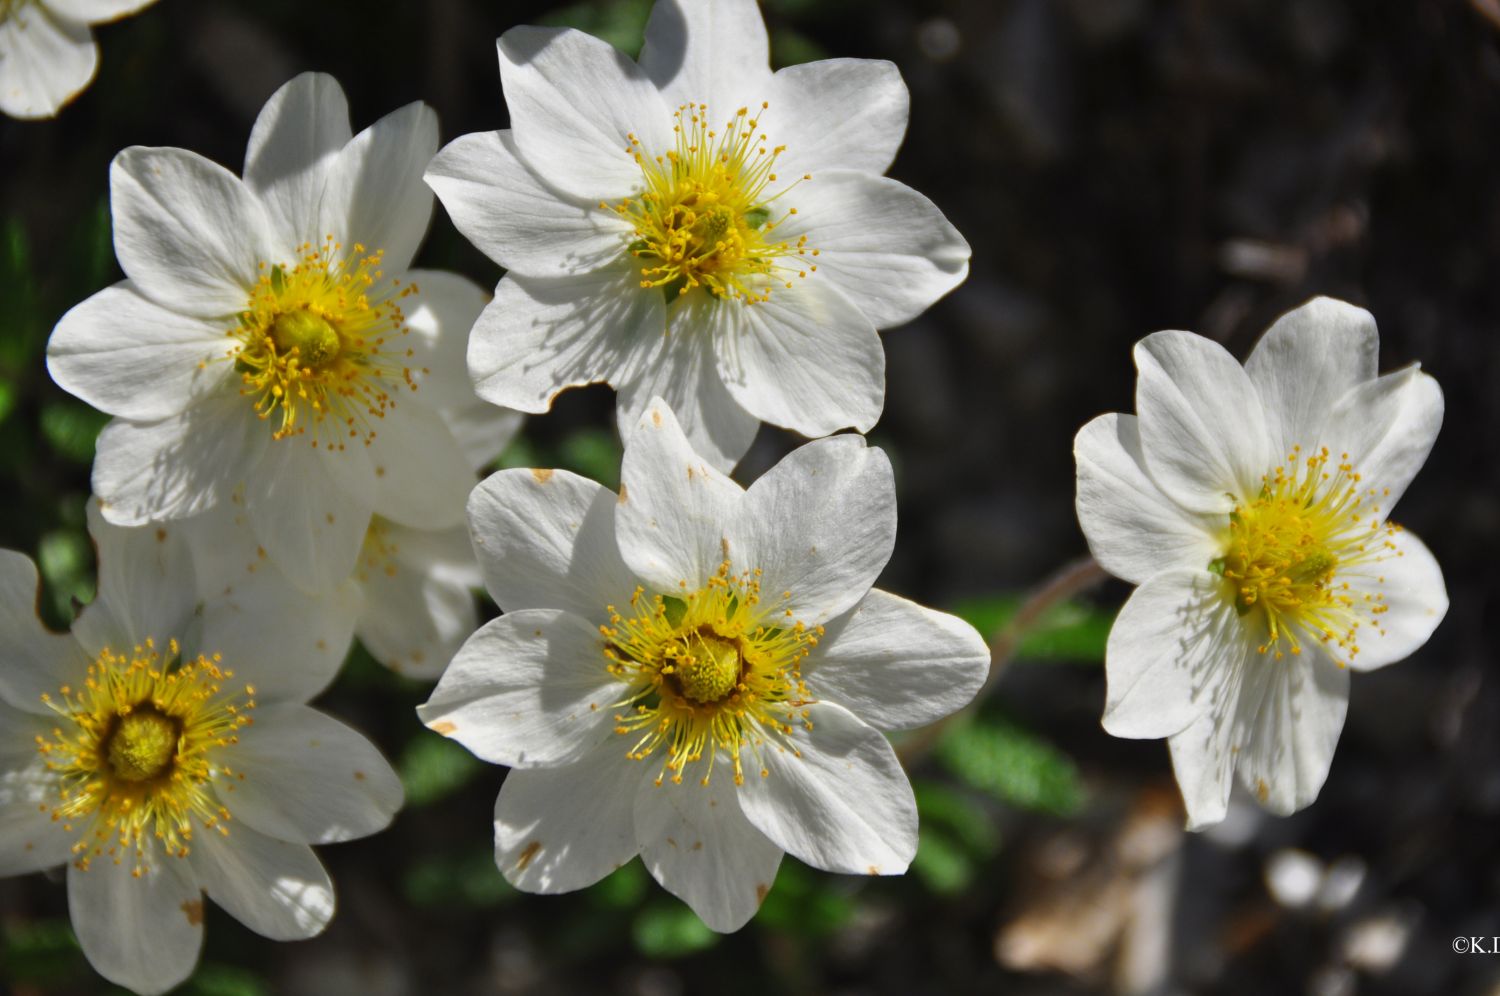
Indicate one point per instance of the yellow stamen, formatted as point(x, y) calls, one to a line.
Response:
point(709, 671)
point(703, 218)
point(139, 752)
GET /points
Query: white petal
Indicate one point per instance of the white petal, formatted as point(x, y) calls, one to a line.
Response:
point(821, 524)
point(514, 218)
point(188, 233)
point(147, 585)
point(1387, 426)
point(542, 335)
point(1305, 362)
point(374, 194)
point(842, 804)
point(142, 933)
point(129, 357)
point(33, 661)
point(310, 509)
point(97, 11)
point(574, 103)
point(440, 316)
point(444, 554)
point(697, 843)
point(414, 622)
point(837, 114)
point(715, 53)
point(1295, 730)
point(896, 664)
point(1134, 531)
point(310, 779)
point(287, 643)
point(680, 367)
point(808, 359)
point(179, 466)
point(1204, 754)
point(277, 889)
point(1202, 426)
point(1409, 582)
point(483, 430)
point(546, 539)
point(1174, 645)
point(887, 247)
point(561, 829)
point(527, 690)
point(675, 510)
point(29, 838)
point(297, 136)
point(422, 477)
point(45, 61)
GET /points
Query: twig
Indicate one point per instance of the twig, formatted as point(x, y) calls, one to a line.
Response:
point(1071, 580)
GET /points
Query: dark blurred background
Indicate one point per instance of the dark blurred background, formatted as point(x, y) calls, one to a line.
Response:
point(1119, 166)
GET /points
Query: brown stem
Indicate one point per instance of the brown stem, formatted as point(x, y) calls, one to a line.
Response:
point(1068, 582)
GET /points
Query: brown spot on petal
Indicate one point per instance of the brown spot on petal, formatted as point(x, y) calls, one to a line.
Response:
point(193, 910)
point(760, 892)
point(623, 496)
point(359, 776)
point(1262, 790)
point(874, 870)
point(329, 517)
point(656, 418)
point(671, 841)
point(542, 474)
point(442, 726)
point(379, 471)
point(690, 473)
point(697, 845)
point(161, 536)
point(527, 853)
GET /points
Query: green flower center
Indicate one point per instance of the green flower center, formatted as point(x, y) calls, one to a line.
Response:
point(143, 745)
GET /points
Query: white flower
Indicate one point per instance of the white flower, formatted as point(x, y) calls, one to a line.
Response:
point(164, 750)
point(696, 227)
point(47, 52)
point(698, 673)
point(270, 337)
point(1251, 505)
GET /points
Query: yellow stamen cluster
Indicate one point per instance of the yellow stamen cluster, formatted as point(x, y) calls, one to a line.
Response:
point(319, 346)
point(708, 671)
point(138, 752)
point(1290, 552)
point(703, 218)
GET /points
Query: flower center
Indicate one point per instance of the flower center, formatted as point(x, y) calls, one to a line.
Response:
point(710, 671)
point(1290, 553)
point(318, 346)
point(138, 752)
point(142, 745)
point(703, 218)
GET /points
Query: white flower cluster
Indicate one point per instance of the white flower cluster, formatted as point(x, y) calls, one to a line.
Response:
point(687, 670)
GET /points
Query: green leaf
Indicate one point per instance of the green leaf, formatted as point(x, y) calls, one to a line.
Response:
point(941, 863)
point(622, 23)
point(803, 902)
point(213, 979)
point(1013, 765)
point(520, 453)
point(622, 888)
point(65, 558)
point(670, 931)
point(594, 453)
point(39, 952)
point(433, 767)
point(958, 812)
point(71, 428)
point(1072, 631)
point(469, 880)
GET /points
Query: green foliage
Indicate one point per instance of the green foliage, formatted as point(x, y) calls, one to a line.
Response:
point(71, 427)
point(1072, 631)
point(802, 903)
point(1015, 766)
point(469, 880)
point(39, 952)
point(669, 929)
point(65, 558)
point(622, 888)
point(433, 767)
point(212, 979)
point(957, 836)
point(622, 23)
point(594, 453)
